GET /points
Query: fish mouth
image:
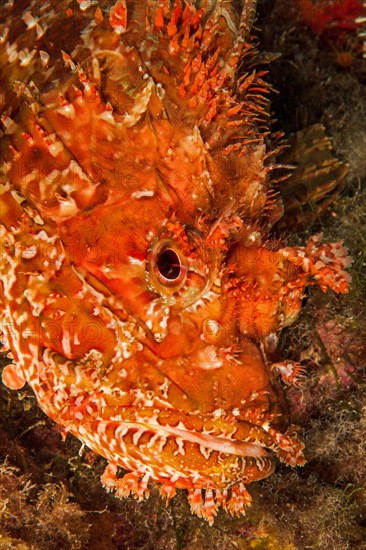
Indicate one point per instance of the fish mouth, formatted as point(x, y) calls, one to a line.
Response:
point(225, 443)
point(216, 443)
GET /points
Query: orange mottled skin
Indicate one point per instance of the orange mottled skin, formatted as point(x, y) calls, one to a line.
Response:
point(140, 293)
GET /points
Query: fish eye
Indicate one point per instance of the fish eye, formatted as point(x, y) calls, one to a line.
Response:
point(179, 266)
point(168, 265)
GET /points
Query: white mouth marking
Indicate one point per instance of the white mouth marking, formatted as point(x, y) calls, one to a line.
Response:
point(220, 444)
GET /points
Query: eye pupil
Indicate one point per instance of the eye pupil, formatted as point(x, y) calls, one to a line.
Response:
point(168, 264)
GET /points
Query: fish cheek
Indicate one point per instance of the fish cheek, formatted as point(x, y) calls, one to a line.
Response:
point(227, 384)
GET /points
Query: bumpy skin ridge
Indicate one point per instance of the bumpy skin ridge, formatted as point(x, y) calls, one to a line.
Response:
point(140, 295)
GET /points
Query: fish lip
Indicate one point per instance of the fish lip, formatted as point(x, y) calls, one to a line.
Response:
point(213, 442)
point(221, 444)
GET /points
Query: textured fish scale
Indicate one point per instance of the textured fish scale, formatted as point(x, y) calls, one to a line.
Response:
point(140, 292)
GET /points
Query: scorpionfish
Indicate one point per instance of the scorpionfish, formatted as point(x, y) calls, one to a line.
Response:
point(141, 294)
